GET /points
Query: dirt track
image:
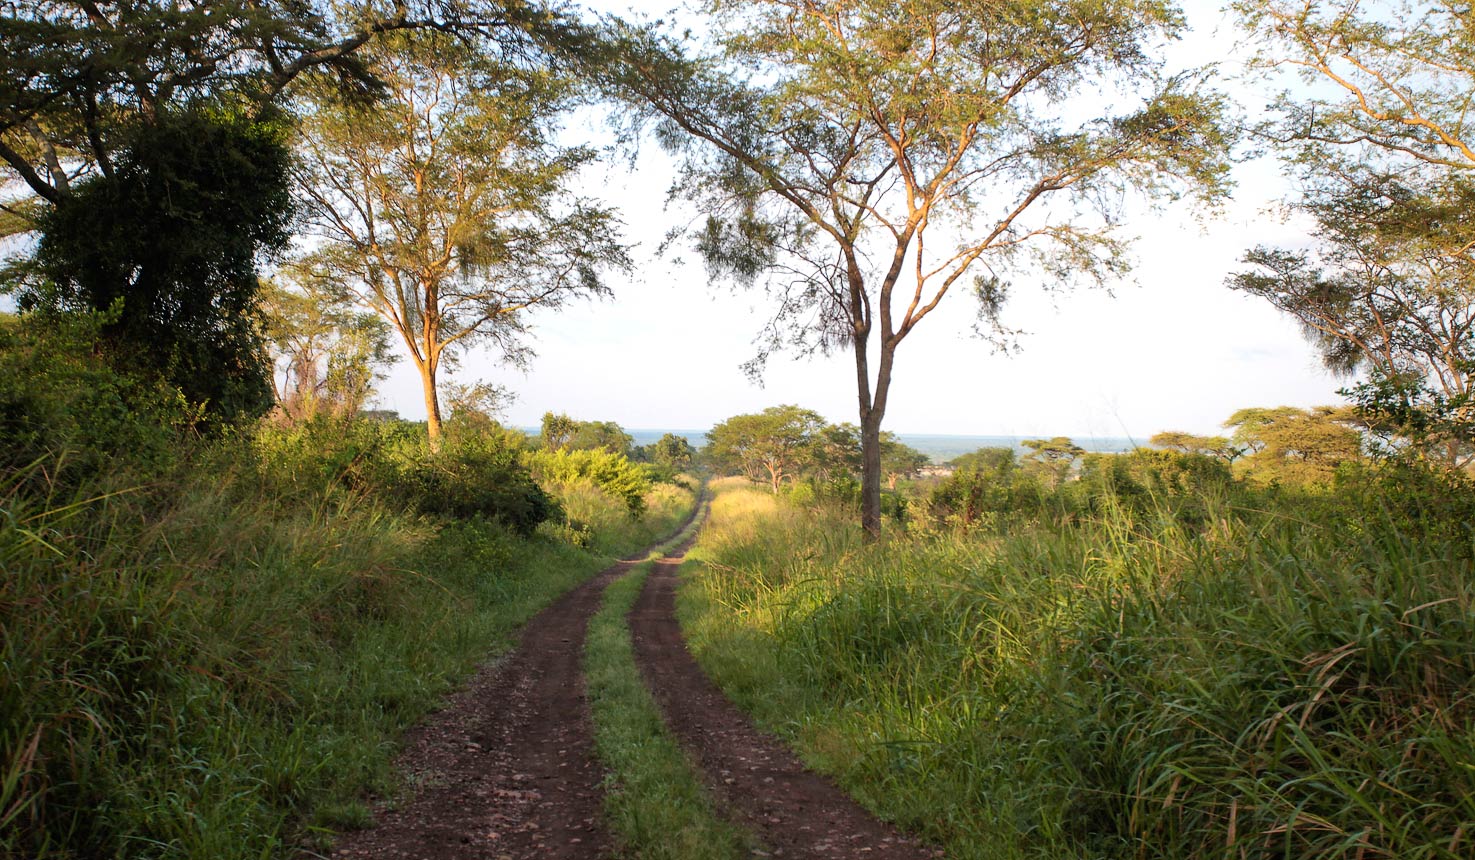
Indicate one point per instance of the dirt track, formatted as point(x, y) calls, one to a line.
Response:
point(506, 771)
point(794, 812)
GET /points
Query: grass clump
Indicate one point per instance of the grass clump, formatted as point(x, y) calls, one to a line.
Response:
point(1292, 680)
point(655, 803)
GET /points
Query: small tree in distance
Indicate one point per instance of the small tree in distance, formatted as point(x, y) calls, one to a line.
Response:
point(768, 446)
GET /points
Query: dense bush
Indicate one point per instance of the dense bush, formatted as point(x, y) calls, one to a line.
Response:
point(472, 475)
point(615, 474)
point(67, 411)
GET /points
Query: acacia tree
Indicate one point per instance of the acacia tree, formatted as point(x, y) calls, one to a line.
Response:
point(446, 207)
point(767, 446)
point(1385, 158)
point(1302, 446)
point(865, 158)
point(78, 75)
point(142, 141)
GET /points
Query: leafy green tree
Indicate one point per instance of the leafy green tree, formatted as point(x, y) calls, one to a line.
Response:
point(447, 207)
point(602, 436)
point(1295, 446)
point(670, 451)
point(1052, 459)
point(995, 459)
point(562, 433)
point(900, 460)
point(768, 446)
point(325, 355)
point(836, 451)
point(164, 246)
point(1217, 447)
point(1384, 156)
point(558, 431)
point(81, 77)
point(866, 159)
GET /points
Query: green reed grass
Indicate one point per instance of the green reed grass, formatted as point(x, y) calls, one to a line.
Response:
point(1272, 683)
point(197, 665)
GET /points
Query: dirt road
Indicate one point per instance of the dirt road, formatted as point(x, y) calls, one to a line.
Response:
point(507, 770)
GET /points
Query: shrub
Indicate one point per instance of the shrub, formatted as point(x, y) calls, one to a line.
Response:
point(612, 473)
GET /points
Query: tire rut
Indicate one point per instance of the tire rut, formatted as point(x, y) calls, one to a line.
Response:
point(794, 812)
point(507, 769)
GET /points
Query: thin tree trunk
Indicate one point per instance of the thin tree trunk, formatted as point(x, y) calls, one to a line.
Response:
point(432, 405)
point(870, 473)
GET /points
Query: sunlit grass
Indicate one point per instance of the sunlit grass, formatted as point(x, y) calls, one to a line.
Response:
point(194, 665)
point(1262, 686)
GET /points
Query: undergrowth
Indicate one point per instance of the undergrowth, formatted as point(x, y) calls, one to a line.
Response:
point(213, 658)
point(1288, 681)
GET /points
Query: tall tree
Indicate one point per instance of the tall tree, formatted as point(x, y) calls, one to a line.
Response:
point(446, 207)
point(1385, 157)
point(1052, 458)
point(135, 137)
point(867, 157)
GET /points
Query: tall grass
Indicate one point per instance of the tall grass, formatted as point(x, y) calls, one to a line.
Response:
point(1257, 684)
point(200, 664)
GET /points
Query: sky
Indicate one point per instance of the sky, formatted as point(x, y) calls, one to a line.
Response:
point(1169, 348)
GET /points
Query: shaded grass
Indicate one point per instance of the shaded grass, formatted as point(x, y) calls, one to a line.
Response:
point(1260, 686)
point(196, 667)
point(655, 803)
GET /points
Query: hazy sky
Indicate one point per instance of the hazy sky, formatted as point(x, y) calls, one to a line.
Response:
point(1170, 348)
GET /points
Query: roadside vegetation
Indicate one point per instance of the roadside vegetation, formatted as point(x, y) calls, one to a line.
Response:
point(212, 642)
point(1147, 660)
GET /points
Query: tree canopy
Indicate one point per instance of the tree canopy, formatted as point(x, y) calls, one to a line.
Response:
point(447, 207)
point(864, 159)
point(769, 446)
point(1379, 143)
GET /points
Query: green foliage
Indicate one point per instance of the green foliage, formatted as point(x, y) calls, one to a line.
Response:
point(327, 356)
point(216, 663)
point(466, 216)
point(1295, 446)
point(824, 141)
point(165, 248)
point(472, 475)
point(69, 414)
point(1269, 680)
point(1051, 459)
point(771, 446)
point(1382, 151)
point(612, 473)
point(670, 452)
point(1188, 443)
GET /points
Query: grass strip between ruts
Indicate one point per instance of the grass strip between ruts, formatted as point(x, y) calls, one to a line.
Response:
point(654, 801)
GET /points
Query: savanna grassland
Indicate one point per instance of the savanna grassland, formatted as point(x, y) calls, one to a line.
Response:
point(1116, 668)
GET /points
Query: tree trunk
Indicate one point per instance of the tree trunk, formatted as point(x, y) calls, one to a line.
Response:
point(870, 473)
point(432, 405)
